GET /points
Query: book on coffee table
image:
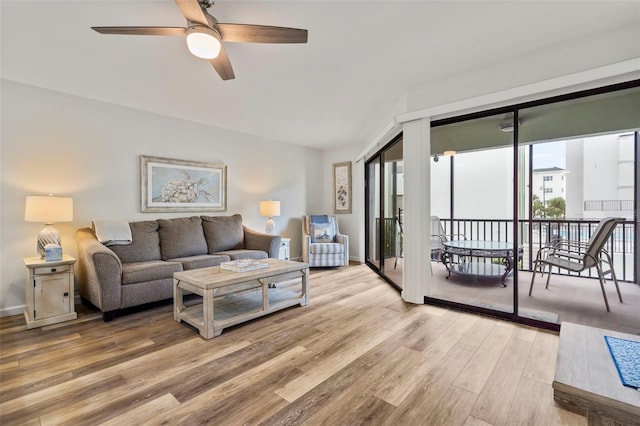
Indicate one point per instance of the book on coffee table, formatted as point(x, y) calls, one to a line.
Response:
point(244, 265)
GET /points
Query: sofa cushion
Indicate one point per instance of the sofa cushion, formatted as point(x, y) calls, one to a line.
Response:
point(245, 254)
point(200, 261)
point(181, 237)
point(139, 272)
point(145, 243)
point(223, 232)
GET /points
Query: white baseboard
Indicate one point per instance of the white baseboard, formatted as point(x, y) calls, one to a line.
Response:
point(15, 310)
point(18, 310)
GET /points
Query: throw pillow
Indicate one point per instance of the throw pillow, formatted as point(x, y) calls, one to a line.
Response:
point(145, 243)
point(181, 237)
point(223, 232)
point(321, 233)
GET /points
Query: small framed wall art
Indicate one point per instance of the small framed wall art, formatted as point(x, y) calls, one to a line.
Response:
point(169, 185)
point(342, 187)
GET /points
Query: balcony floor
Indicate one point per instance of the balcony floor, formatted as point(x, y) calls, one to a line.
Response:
point(572, 299)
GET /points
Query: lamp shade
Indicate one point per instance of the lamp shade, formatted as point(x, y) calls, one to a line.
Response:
point(270, 208)
point(48, 209)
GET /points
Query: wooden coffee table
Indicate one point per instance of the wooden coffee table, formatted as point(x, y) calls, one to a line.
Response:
point(247, 294)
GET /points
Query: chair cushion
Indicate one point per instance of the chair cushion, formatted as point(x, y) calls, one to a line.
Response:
point(181, 237)
point(326, 248)
point(321, 232)
point(223, 232)
point(139, 272)
point(200, 261)
point(145, 243)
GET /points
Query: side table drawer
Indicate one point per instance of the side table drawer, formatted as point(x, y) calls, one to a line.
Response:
point(52, 269)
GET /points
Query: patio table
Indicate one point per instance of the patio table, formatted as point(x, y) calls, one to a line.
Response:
point(457, 256)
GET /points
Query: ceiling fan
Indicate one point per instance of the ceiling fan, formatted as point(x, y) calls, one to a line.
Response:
point(204, 34)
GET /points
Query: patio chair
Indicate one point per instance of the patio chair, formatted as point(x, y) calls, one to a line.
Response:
point(577, 257)
point(439, 237)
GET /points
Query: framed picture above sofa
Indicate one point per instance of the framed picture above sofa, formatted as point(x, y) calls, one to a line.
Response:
point(342, 187)
point(170, 185)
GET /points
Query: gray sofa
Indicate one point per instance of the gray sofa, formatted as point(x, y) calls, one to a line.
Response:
point(121, 276)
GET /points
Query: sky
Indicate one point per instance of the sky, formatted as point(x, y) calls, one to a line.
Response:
point(550, 154)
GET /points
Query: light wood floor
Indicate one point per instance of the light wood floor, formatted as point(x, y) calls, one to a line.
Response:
point(356, 355)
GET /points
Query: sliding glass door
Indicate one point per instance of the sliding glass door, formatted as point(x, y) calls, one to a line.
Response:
point(582, 168)
point(385, 213)
point(472, 189)
point(529, 176)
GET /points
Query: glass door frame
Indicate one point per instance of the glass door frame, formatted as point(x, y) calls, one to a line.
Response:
point(377, 158)
point(514, 316)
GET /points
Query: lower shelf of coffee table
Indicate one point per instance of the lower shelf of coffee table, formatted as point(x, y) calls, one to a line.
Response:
point(237, 308)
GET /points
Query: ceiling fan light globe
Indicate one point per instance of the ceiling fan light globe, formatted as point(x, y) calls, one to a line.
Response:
point(203, 43)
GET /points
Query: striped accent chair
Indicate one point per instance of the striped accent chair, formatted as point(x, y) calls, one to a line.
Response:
point(322, 243)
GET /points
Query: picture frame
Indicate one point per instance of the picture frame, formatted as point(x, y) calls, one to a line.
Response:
point(171, 185)
point(342, 187)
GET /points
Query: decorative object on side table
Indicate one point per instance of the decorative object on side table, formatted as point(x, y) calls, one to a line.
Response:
point(270, 209)
point(342, 187)
point(49, 291)
point(48, 210)
point(169, 185)
point(52, 253)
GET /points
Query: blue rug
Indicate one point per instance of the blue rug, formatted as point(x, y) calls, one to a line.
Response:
point(626, 357)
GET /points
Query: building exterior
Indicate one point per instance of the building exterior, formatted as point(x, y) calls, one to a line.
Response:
point(600, 181)
point(549, 183)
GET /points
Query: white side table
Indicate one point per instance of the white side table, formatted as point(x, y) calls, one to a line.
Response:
point(285, 249)
point(49, 297)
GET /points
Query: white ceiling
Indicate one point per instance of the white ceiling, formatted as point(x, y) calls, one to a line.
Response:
point(360, 55)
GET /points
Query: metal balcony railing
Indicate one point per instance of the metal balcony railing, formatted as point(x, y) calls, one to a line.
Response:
point(608, 205)
point(538, 232)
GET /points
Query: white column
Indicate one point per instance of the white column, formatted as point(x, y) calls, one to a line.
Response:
point(417, 205)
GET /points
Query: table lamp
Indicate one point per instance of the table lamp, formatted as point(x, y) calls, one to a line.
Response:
point(47, 210)
point(270, 209)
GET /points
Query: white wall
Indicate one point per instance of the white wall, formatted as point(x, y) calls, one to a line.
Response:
point(515, 71)
point(351, 224)
point(66, 145)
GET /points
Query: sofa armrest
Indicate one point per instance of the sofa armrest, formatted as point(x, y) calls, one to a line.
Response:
point(344, 240)
point(99, 272)
point(254, 240)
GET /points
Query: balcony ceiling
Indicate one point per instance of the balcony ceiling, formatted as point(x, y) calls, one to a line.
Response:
point(361, 56)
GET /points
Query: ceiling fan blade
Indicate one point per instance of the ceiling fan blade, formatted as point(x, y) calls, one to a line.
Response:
point(162, 31)
point(248, 33)
point(222, 65)
point(192, 10)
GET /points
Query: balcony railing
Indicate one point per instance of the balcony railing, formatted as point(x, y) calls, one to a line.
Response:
point(608, 205)
point(534, 234)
